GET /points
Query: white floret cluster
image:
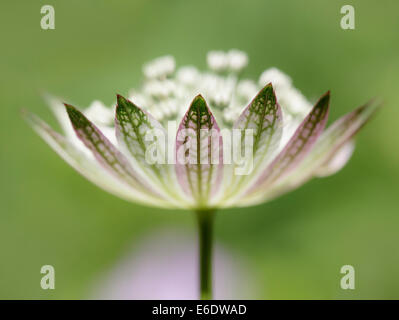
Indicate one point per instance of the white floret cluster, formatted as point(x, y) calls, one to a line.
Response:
point(167, 91)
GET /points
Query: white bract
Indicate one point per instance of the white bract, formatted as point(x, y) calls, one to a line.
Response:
point(290, 145)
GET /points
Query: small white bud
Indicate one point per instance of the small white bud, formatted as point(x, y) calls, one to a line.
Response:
point(167, 107)
point(296, 102)
point(216, 88)
point(247, 89)
point(278, 78)
point(170, 86)
point(221, 98)
point(217, 60)
point(160, 89)
point(227, 117)
point(138, 99)
point(156, 113)
point(187, 75)
point(172, 105)
point(231, 114)
point(237, 60)
point(98, 113)
point(160, 67)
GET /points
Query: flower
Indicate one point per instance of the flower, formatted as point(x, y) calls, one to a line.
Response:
point(289, 143)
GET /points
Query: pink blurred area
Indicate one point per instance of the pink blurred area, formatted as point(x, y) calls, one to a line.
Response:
point(164, 265)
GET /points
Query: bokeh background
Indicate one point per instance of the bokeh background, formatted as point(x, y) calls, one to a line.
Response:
point(292, 247)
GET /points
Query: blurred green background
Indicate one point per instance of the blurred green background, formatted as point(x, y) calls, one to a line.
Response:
point(296, 245)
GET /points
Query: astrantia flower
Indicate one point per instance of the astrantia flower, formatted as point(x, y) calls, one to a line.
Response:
point(262, 139)
point(290, 144)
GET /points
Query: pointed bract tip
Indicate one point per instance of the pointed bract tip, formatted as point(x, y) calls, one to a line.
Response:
point(267, 88)
point(199, 102)
point(23, 112)
point(119, 97)
point(26, 115)
point(123, 103)
point(199, 96)
point(69, 108)
point(73, 113)
point(199, 99)
point(29, 117)
point(324, 100)
point(120, 100)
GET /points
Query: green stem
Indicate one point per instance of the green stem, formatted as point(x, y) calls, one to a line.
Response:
point(205, 230)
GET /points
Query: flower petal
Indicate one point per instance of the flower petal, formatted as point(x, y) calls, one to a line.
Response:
point(134, 128)
point(104, 151)
point(298, 146)
point(330, 153)
point(199, 153)
point(261, 121)
point(89, 167)
point(334, 144)
point(337, 160)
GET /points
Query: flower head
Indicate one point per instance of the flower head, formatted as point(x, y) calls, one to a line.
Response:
point(192, 139)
